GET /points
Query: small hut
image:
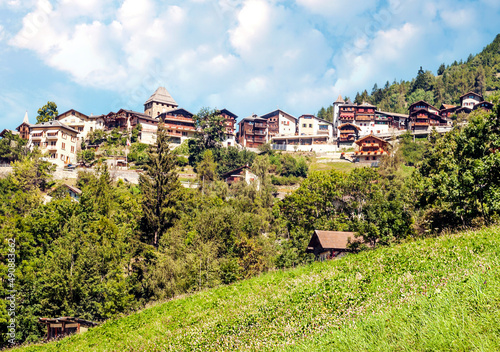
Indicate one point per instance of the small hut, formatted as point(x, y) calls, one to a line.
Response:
point(330, 244)
point(57, 327)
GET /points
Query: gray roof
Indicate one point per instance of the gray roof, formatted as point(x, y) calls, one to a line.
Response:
point(161, 96)
point(340, 100)
point(53, 123)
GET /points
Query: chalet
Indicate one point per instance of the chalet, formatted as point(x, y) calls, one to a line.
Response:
point(447, 110)
point(252, 132)
point(242, 173)
point(370, 149)
point(330, 244)
point(424, 115)
point(363, 116)
point(422, 105)
point(470, 99)
point(485, 105)
point(179, 125)
point(63, 326)
point(81, 122)
point(56, 139)
point(230, 131)
point(280, 123)
point(347, 133)
point(128, 119)
point(385, 120)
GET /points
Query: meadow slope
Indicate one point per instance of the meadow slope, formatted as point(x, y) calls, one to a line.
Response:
point(431, 294)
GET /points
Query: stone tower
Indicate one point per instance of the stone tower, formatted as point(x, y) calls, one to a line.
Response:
point(161, 101)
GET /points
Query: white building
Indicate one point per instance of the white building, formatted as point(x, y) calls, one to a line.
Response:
point(55, 139)
point(81, 122)
point(470, 99)
point(310, 125)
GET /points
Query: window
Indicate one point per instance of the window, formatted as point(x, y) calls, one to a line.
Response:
point(64, 135)
point(184, 134)
point(64, 146)
point(53, 143)
point(310, 125)
point(304, 125)
point(72, 149)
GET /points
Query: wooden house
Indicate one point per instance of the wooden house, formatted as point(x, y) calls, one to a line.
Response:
point(252, 132)
point(242, 173)
point(24, 128)
point(371, 149)
point(57, 327)
point(230, 131)
point(329, 244)
point(347, 133)
point(484, 105)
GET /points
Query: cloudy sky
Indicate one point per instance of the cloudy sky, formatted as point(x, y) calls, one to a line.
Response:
point(249, 56)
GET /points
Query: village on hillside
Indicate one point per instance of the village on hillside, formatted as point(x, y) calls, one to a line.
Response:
point(358, 126)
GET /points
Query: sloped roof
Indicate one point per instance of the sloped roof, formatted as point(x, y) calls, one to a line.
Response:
point(53, 123)
point(424, 102)
point(447, 106)
point(339, 99)
point(161, 95)
point(25, 120)
point(67, 112)
point(349, 124)
point(472, 93)
point(276, 112)
point(330, 240)
point(359, 141)
point(229, 113)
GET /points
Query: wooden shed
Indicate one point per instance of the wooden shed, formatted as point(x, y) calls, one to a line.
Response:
point(57, 327)
point(330, 244)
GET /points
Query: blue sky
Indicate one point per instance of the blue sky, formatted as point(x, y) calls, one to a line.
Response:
point(249, 56)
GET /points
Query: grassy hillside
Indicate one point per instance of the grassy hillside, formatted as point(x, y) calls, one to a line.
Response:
point(431, 294)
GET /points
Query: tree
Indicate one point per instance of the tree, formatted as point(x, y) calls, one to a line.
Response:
point(441, 69)
point(159, 185)
point(206, 170)
point(211, 126)
point(47, 113)
point(12, 147)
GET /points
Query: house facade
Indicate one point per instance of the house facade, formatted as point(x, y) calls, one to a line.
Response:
point(81, 122)
point(24, 128)
point(57, 140)
point(370, 149)
point(280, 123)
point(470, 99)
point(252, 132)
point(230, 124)
point(179, 125)
point(423, 116)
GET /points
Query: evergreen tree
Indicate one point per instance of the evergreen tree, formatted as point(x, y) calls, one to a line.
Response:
point(47, 113)
point(441, 69)
point(159, 185)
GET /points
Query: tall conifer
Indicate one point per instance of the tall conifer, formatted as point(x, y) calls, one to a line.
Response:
point(159, 185)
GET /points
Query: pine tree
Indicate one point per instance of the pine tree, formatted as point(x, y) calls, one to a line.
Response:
point(159, 185)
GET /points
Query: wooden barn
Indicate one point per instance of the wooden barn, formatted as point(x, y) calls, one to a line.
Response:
point(57, 327)
point(330, 244)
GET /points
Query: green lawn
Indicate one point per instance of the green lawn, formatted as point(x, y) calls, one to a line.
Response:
point(437, 294)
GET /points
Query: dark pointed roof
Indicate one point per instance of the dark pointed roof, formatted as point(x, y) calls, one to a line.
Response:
point(339, 100)
point(330, 240)
point(161, 95)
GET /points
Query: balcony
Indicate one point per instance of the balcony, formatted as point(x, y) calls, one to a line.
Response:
point(260, 125)
point(260, 133)
point(36, 136)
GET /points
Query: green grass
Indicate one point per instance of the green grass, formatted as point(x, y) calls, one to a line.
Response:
point(343, 166)
point(436, 294)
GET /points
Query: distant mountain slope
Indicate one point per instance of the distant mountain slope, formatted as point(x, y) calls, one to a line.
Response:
point(432, 294)
point(480, 74)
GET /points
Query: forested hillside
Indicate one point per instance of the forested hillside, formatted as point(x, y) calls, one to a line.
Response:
point(480, 74)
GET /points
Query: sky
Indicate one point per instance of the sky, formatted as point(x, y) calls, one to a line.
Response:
point(248, 56)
